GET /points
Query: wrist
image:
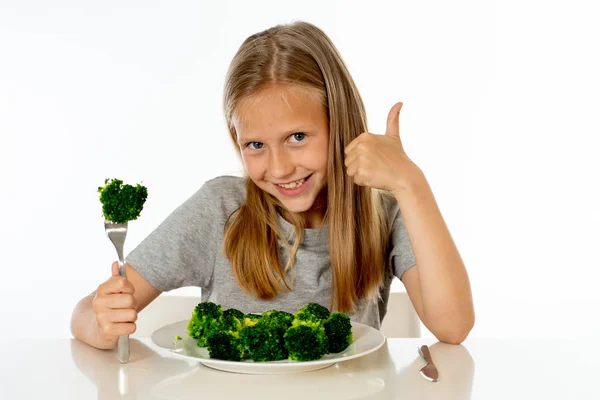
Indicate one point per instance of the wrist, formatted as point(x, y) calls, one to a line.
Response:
point(410, 183)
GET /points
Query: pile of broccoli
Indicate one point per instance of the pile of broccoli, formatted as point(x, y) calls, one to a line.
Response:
point(274, 335)
point(121, 203)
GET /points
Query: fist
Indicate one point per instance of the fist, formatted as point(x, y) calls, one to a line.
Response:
point(379, 161)
point(115, 307)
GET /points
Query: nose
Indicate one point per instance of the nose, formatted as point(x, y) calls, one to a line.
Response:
point(280, 164)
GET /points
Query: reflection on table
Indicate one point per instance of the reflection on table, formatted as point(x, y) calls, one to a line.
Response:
point(478, 369)
point(375, 376)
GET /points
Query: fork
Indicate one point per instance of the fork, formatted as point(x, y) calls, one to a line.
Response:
point(117, 233)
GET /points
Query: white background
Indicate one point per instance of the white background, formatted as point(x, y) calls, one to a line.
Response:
point(500, 111)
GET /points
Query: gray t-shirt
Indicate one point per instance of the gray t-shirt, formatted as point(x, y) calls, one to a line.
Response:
point(185, 250)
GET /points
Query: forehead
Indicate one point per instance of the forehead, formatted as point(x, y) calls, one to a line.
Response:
point(278, 109)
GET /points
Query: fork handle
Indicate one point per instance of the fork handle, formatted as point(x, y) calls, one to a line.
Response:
point(123, 349)
point(121, 263)
point(123, 343)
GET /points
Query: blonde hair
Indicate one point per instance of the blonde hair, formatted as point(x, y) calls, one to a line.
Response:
point(300, 54)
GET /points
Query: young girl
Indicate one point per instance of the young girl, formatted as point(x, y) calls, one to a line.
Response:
point(316, 217)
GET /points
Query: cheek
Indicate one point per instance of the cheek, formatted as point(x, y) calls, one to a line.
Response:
point(323, 155)
point(247, 165)
point(253, 167)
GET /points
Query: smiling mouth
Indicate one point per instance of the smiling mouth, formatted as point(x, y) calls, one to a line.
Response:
point(293, 185)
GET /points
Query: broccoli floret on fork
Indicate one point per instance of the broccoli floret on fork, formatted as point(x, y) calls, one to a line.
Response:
point(121, 203)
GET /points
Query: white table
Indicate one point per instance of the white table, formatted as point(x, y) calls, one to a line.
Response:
point(478, 369)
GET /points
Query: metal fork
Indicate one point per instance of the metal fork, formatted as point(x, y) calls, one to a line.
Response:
point(117, 233)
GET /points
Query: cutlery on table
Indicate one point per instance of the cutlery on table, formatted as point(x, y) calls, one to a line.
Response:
point(117, 233)
point(429, 371)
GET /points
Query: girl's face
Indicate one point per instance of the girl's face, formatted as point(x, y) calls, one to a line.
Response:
point(283, 134)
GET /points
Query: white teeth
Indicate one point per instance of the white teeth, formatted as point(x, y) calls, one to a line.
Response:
point(292, 185)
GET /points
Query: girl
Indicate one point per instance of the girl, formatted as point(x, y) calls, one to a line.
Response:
point(316, 217)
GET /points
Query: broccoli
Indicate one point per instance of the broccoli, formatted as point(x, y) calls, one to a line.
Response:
point(306, 342)
point(274, 335)
point(262, 335)
point(121, 203)
point(176, 339)
point(206, 320)
point(226, 346)
point(306, 339)
point(264, 342)
point(233, 320)
point(339, 332)
point(277, 318)
point(312, 312)
point(251, 319)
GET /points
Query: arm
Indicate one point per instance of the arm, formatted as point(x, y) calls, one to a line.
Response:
point(179, 252)
point(438, 285)
point(111, 310)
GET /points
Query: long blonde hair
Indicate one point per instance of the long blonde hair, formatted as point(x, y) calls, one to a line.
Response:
point(300, 54)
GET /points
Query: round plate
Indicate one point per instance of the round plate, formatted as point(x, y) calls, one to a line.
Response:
point(366, 340)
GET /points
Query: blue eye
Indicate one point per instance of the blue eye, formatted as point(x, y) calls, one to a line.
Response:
point(299, 136)
point(255, 145)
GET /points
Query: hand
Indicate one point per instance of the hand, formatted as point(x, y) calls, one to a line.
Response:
point(115, 307)
point(379, 161)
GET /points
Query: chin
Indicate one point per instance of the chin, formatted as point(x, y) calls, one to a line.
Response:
point(296, 207)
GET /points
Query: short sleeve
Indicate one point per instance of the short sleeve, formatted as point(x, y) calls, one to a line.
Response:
point(401, 255)
point(181, 251)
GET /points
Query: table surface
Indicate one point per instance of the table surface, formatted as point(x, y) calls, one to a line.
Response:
point(477, 369)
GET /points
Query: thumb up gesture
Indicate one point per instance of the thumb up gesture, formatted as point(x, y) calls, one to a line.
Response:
point(379, 161)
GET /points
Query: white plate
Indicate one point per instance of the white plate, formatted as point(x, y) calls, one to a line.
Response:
point(366, 341)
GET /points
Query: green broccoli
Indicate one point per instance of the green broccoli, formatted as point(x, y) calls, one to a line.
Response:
point(264, 342)
point(306, 339)
point(176, 339)
point(277, 318)
point(312, 312)
point(306, 342)
point(274, 335)
point(339, 332)
point(122, 203)
point(262, 335)
point(226, 346)
point(251, 319)
point(206, 320)
point(233, 320)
